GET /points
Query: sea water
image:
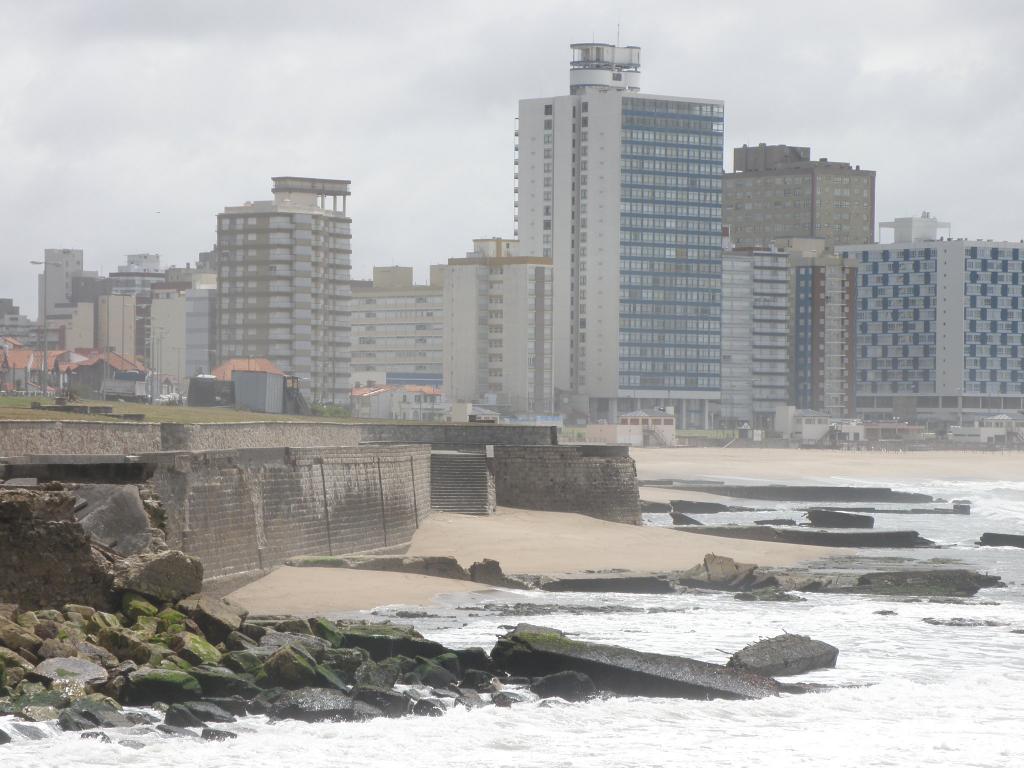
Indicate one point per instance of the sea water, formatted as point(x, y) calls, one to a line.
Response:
point(911, 693)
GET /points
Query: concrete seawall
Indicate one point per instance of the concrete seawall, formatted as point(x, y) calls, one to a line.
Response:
point(21, 438)
point(252, 509)
point(594, 480)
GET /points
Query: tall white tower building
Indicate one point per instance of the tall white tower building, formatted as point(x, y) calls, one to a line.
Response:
point(622, 190)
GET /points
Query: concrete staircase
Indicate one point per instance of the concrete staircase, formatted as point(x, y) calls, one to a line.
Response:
point(460, 482)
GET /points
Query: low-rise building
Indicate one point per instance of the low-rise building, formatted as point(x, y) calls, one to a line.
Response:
point(408, 402)
point(638, 428)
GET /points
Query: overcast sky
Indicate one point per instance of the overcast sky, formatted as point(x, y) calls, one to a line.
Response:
point(125, 126)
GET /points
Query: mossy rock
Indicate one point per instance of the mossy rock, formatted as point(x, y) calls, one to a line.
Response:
point(85, 611)
point(289, 667)
point(134, 605)
point(124, 644)
point(249, 660)
point(28, 620)
point(171, 620)
point(326, 630)
point(195, 649)
point(147, 626)
point(345, 661)
point(50, 614)
point(147, 686)
point(101, 620)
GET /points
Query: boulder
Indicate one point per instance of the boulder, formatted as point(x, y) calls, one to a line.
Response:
point(428, 707)
point(372, 674)
point(640, 585)
point(169, 575)
point(208, 712)
point(125, 644)
point(293, 626)
point(718, 572)
point(179, 716)
point(115, 517)
point(221, 681)
point(96, 653)
point(17, 638)
point(383, 641)
point(344, 662)
point(539, 651)
point(831, 518)
point(216, 618)
point(194, 649)
point(433, 674)
point(78, 670)
point(489, 571)
point(72, 721)
point(390, 702)
point(290, 667)
point(1001, 540)
point(216, 734)
point(770, 594)
point(175, 731)
point(147, 686)
point(100, 711)
point(314, 705)
point(568, 685)
point(326, 631)
point(507, 699)
point(51, 649)
point(313, 646)
point(248, 661)
point(785, 655)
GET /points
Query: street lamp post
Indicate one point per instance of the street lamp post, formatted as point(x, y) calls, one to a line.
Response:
point(44, 373)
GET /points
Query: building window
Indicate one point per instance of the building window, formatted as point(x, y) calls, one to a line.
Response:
point(547, 109)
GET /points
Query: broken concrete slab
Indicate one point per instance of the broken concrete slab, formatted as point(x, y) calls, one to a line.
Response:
point(832, 518)
point(868, 539)
point(785, 655)
point(539, 651)
point(639, 585)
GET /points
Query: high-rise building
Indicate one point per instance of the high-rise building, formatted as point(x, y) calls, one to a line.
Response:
point(622, 190)
point(283, 270)
point(397, 328)
point(60, 267)
point(200, 330)
point(497, 328)
point(756, 299)
point(940, 325)
point(824, 329)
point(778, 191)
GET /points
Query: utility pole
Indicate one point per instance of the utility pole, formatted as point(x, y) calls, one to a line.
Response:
point(43, 368)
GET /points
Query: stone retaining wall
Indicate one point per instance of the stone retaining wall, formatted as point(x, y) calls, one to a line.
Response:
point(599, 481)
point(22, 438)
point(248, 510)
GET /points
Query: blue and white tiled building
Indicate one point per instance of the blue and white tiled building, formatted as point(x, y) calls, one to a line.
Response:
point(940, 324)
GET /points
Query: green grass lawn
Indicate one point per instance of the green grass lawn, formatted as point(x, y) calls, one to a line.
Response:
point(20, 408)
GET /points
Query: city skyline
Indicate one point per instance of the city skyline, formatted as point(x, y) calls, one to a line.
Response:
point(155, 152)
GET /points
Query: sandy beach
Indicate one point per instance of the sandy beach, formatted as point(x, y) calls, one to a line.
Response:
point(557, 543)
point(523, 541)
point(795, 465)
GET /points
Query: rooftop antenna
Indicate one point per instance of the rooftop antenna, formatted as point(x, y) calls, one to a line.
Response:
point(618, 30)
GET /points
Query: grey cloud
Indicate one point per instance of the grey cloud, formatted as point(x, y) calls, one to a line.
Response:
point(111, 111)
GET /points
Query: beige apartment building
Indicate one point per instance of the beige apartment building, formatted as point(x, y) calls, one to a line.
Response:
point(115, 325)
point(283, 270)
point(498, 328)
point(397, 328)
point(779, 192)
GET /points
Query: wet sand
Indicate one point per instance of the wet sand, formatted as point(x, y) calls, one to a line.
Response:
point(523, 541)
